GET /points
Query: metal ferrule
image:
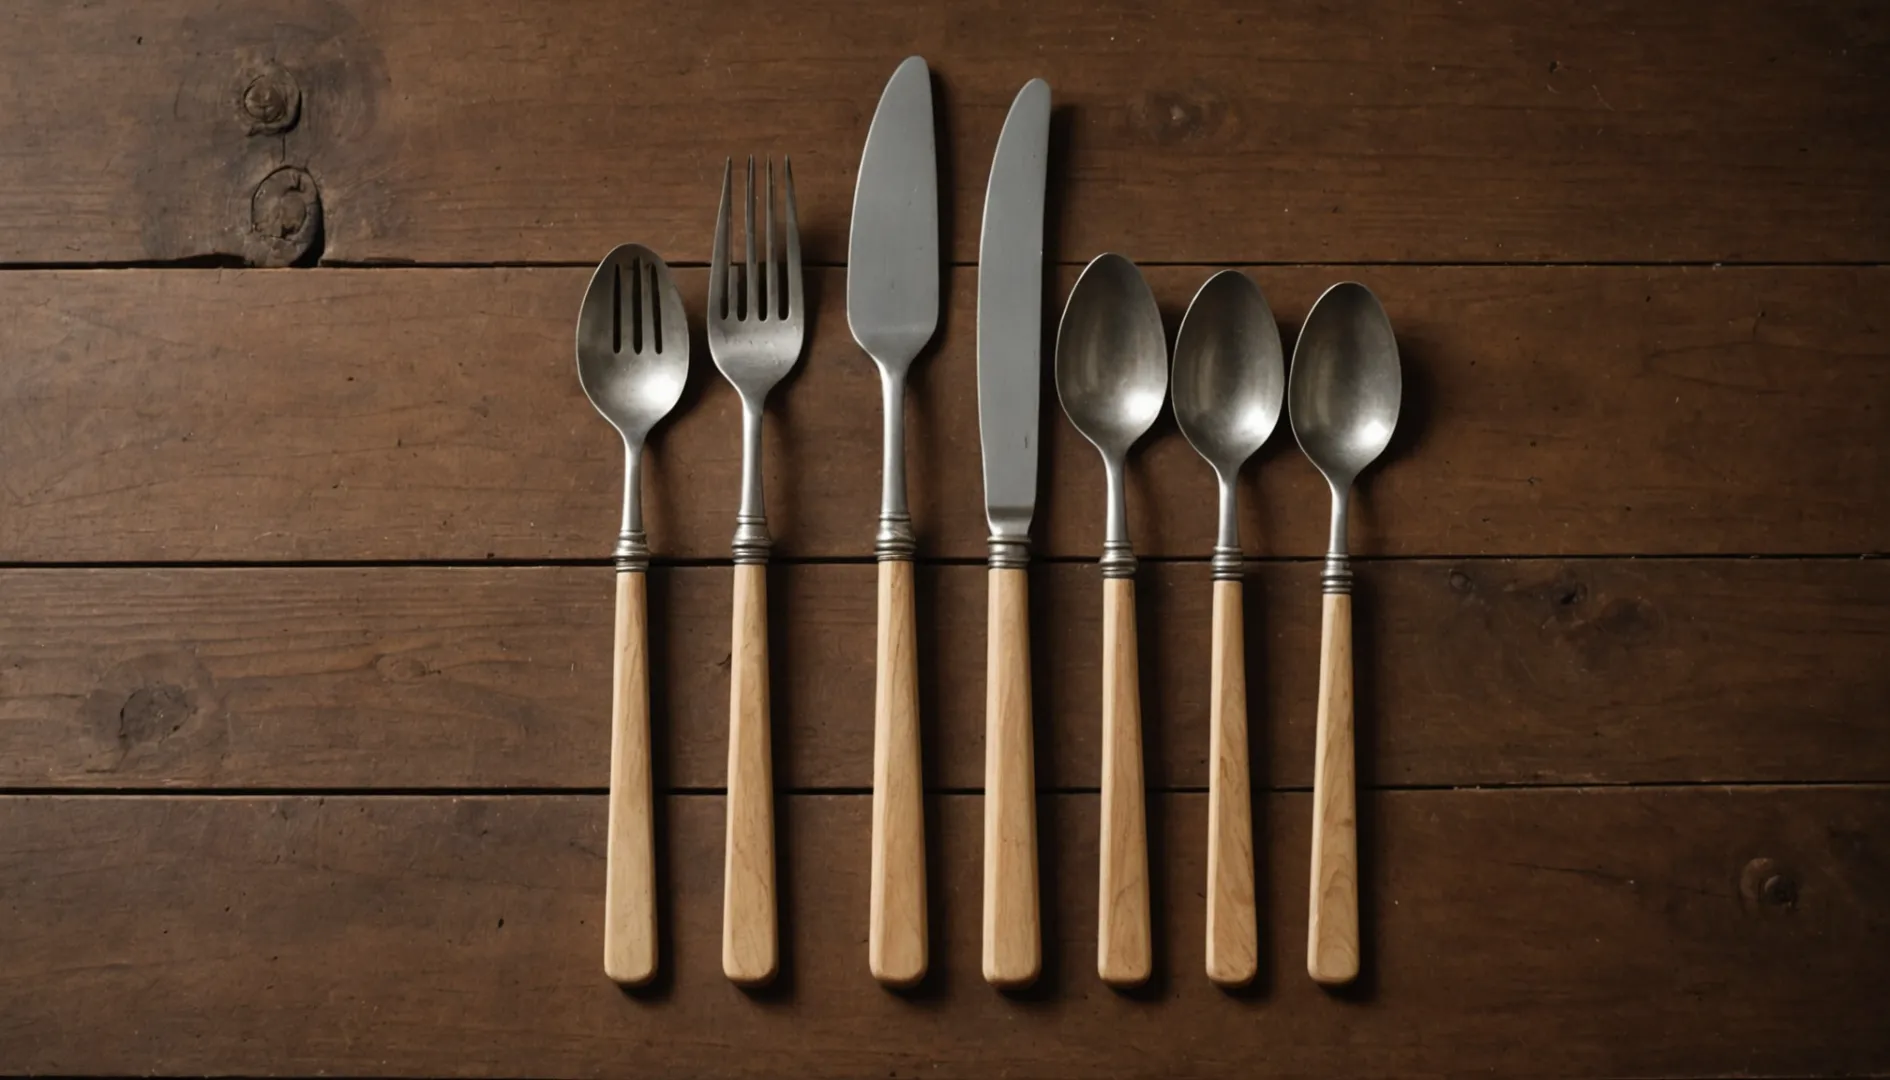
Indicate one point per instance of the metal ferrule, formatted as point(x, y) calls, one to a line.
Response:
point(752, 542)
point(633, 545)
point(895, 541)
point(1228, 563)
point(1008, 553)
point(1117, 560)
point(633, 551)
point(1227, 560)
point(1337, 577)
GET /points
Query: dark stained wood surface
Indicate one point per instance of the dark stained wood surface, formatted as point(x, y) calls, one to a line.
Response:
point(1517, 932)
point(1206, 131)
point(304, 604)
point(434, 414)
point(1471, 672)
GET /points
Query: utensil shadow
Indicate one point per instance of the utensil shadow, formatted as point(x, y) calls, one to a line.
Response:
point(1260, 754)
point(1368, 801)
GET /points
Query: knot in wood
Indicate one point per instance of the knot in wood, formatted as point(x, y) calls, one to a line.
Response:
point(154, 712)
point(1765, 885)
point(271, 102)
point(1779, 891)
point(285, 215)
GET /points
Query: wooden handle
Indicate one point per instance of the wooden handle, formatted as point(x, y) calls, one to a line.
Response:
point(1013, 949)
point(1122, 929)
point(895, 944)
point(750, 952)
point(1233, 947)
point(630, 863)
point(1332, 933)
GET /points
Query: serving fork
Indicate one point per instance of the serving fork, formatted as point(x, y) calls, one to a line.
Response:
point(756, 324)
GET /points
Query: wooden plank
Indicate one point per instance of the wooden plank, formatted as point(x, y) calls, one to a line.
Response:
point(1476, 672)
point(223, 415)
point(1580, 933)
point(480, 130)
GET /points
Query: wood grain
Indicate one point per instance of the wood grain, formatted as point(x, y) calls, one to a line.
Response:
point(630, 954)
point(1621, 932)
point(1486, 672)
point(750, 931)
point(389, 415)
point(1122, 918)
point(1012, 934)
point(896, 927)
point(1233, 946)
point(1332, 939)
point(480, 131)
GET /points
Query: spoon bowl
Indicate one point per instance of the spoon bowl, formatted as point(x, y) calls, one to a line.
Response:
point(1112, 358)
point(1346, 383)
point(1230, 372)
point(633, 341)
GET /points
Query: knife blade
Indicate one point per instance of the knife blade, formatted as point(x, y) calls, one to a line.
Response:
point(892, 309)
point(1010, 373)
point(1010, 320)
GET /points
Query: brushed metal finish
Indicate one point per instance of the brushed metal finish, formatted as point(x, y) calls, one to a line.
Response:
point(1343, 398)
point(1229, 387)
point(757, 319)
point(1112, 375)
point(1010, 323)
point(893, 270)
point(633, 361)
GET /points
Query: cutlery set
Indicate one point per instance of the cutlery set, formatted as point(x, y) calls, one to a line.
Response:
point(1229, 386)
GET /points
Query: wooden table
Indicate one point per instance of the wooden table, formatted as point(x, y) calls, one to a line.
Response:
point(304, 637)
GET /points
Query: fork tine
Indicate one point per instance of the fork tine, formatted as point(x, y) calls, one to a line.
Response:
point(794, 310)
point(748, 226)
point(718, 254)
point(771, 276)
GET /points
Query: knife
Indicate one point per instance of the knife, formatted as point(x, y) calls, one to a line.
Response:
point(1010, 372)
point(892, 309)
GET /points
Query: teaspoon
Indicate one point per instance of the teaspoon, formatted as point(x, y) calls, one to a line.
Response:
point(1112, 374)
point(1229, 386)
point(1343, 397)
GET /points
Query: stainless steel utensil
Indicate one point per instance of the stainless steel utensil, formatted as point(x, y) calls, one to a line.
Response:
point(892, 308)
point(1343, 397)
point(1010, 371)
point(633, 360)
point(1112, 374)
point(756, 322)
point(1229, 386)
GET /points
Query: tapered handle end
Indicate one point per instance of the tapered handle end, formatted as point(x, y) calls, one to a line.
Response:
point(630, 864)
point(750, 947)
point(1013, 948)
point(1124, 953)
point(1332, 941)
point(1233, 948)
point(896, 937)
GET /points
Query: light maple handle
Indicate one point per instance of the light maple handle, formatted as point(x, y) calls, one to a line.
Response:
point(630, 860)
point(1123, 953)
point(1233, 947)
point(1332, 948)
point(1013, 948)
point(750, 950)
point(896, 935)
